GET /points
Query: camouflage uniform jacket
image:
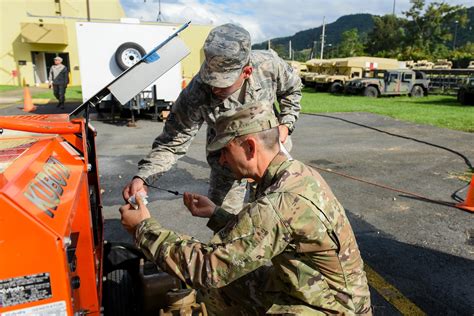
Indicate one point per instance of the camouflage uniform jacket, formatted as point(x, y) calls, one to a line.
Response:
point(272, 79)
point(295, 223)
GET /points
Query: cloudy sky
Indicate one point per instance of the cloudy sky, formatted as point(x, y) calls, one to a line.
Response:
point(264, 19)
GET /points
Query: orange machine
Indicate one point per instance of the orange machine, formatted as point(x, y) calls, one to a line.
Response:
point(51, 223)
point(52, 253)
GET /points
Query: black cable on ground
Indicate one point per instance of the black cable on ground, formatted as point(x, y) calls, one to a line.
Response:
point(420, 197)
point(454, 195)
point(466, 160)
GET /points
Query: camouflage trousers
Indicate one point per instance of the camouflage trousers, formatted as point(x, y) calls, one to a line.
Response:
point(225, 190)
point(246, 296)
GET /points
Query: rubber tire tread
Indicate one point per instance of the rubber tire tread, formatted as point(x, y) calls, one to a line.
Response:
point(417, 92)
point(369, 92)
point(122, 48)
point(336, 87)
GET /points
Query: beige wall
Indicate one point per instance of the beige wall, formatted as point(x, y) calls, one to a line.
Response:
point(13, 47)
point(194, 38)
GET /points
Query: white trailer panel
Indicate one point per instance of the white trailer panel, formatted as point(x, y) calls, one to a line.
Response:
point(98, 43)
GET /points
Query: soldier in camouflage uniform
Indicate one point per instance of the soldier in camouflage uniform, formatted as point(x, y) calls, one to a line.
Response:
point(231, 76)
point(295, 224)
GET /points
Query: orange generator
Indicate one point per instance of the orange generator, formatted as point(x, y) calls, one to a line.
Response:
point(50, 220)
point(53, 258)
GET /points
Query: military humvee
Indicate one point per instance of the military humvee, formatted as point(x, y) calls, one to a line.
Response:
point(341, 70)
point(466, 92)
point(314, 68)
point(390, 82)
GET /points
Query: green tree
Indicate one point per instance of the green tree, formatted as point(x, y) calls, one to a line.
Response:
point(351, 44)
point(429, 31)
point(387, 37)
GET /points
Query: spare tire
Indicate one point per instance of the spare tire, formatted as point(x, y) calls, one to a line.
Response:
point(128, 54)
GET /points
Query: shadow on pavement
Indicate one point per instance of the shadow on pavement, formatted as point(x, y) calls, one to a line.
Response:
point(438, 283)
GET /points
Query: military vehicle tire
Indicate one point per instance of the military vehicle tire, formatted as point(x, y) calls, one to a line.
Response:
point(119, 294)
point(417, 92)
point(462, 97)
point(128, 54)
point(336, 87)
point(371, 92)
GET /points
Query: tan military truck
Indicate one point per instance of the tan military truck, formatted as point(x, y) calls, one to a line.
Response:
point(423, 65)
point(443, 64)
point(298, 67)
point(327, 67)
point(345, 69)
point(313, 69)
point(390, 82)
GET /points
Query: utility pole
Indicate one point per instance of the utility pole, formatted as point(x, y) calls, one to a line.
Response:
point(159, 18)
point(322, 37)
point(455, 33)
point(88, 11)
point(393, 10)
point(289, 50)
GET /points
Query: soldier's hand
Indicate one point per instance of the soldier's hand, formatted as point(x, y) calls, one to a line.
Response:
point(135, 186)
point(199, 205)
point(283, 129)
point(132, 217)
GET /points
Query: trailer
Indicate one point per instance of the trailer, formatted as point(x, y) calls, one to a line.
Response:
point(447, 81)
point(107, 49)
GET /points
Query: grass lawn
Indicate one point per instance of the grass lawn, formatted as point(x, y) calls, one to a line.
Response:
point(72, 93)
point(437, 110)
point(4, 88)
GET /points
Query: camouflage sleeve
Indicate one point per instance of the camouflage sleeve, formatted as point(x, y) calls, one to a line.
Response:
point(288, 94)
point(219, 219)
point(249, 242)
point(180, 128)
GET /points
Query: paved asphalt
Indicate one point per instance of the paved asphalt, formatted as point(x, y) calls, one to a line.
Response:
point(424, 249)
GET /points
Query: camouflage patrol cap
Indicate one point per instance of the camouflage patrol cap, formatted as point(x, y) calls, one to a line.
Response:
point(253, 119)
point(226, 50)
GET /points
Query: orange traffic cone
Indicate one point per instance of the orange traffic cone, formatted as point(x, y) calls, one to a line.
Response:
point(28, 105)
point(183, 84)
point(468, 203)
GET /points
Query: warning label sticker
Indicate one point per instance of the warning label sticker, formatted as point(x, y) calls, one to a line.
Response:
point(53, 309)
point(24, 289)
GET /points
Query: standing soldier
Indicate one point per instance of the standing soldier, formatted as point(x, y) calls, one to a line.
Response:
point(291, 251)
point(59, 79)
point(231, 76)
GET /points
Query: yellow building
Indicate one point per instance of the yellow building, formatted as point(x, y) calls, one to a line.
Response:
point(33, 32)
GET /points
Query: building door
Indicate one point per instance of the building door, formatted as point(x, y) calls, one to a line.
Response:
point(49, 59)
point(42, 63)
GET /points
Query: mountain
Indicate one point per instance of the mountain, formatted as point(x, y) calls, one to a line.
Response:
point(304, 39)
point(363, 22)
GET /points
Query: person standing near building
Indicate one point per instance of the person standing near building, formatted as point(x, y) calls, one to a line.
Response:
point(59, 79)
point(231, 76)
